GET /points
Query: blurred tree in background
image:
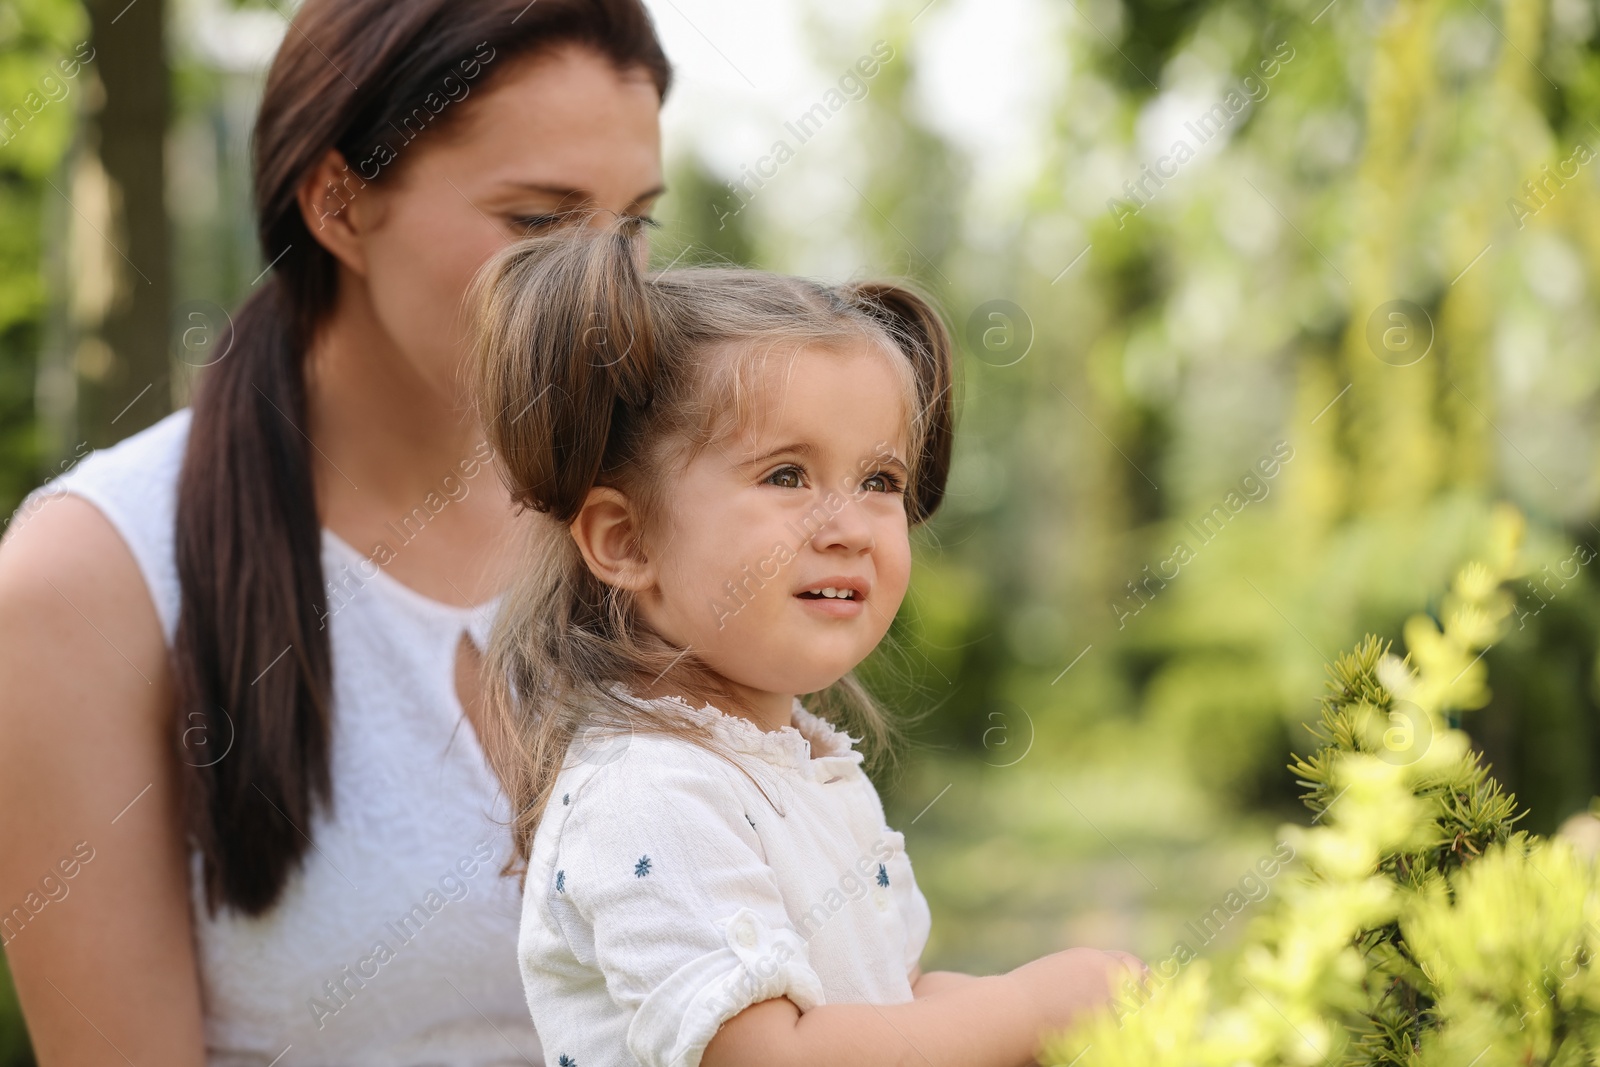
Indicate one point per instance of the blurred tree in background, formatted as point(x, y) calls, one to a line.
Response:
point(1285, 298)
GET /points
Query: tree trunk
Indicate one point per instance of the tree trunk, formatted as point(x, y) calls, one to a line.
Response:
point(125, 384)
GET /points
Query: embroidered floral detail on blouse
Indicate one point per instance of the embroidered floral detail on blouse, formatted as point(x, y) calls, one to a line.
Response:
point(749, 820)
point(561, 880)
point(641, 868)
point(567, 1061)
point(883, 875)
point(566, 797)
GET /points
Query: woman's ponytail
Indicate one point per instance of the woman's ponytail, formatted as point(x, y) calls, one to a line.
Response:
point(565, 358)
point(254, 731)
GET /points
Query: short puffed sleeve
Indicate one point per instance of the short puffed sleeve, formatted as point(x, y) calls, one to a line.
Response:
point(660, 882)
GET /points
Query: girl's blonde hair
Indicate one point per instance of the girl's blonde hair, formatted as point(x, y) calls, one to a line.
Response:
point(587, 371)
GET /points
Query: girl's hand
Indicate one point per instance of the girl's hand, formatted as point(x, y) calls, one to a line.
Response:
point(1063, 985)
point(1140, 968)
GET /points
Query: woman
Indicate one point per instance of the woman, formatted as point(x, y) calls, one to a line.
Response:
point(244, 814)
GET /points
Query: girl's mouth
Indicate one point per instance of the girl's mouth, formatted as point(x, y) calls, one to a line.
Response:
point(846, 605)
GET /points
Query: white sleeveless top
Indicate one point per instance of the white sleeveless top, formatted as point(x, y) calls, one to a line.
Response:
point(395, 944)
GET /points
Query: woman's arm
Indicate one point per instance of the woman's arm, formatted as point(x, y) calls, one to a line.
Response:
point(94, 892)
point(993, 1021)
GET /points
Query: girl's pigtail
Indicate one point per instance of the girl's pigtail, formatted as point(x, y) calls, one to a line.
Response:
point(916, 327)
point(564, 354)
point(563, 357)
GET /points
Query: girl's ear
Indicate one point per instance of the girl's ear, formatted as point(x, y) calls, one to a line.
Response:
point(607, 533)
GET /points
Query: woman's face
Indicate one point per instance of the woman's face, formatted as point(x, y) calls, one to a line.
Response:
point(557, 131)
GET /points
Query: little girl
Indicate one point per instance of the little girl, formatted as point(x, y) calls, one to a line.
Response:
point(723, 466)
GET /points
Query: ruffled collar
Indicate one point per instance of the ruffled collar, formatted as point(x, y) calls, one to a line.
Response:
point(809, 742)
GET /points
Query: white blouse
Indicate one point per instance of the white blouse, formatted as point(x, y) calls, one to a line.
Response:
point(665, 893)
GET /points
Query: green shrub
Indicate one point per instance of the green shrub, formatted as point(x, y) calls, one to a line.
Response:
point(1419, 927)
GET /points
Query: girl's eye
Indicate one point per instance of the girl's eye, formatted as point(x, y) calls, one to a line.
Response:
point(881, 482)
point(891, 482)
point(649, 221)
point(785, 472)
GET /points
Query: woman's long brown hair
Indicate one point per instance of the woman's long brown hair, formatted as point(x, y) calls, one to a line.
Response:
point(351, 75)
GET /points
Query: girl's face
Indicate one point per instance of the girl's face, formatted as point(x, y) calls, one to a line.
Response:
point(759, 524)
point(557, 131)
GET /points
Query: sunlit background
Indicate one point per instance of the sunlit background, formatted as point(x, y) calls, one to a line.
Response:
point(1261, 305)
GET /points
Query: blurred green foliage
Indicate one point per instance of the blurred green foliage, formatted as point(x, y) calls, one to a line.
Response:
point(15, 1050)
point(1419, 927)
point(38, 115)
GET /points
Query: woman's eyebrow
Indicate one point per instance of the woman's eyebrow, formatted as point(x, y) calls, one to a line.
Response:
point(578, 197)
point(559, 192)
point(648, 195)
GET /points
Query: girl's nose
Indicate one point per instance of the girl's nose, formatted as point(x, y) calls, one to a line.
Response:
point(848, 525)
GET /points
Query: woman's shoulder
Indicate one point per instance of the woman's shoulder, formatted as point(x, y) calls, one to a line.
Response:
point(126, 498)
point(84, 637)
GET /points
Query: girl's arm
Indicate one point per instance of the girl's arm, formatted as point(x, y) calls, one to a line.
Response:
point(94, 890)
point(993, 1021)
point(923, 985)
